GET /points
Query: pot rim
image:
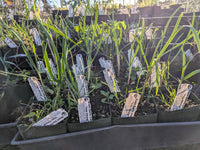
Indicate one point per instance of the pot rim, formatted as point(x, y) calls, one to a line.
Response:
point(57, 137)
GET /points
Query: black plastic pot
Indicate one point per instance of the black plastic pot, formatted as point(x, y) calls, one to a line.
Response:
point(7, 132)
point(146, 11)
point(99, 123)
point(121, 17)
point(103, 18)
point(187, 114)
point(28, 132)
point(62, 13)
point(10, 100)
point(119, 137)
point(152, 118)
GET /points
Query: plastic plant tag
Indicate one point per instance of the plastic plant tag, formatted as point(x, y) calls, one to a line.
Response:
point(181, 97)
point(82, 9)
point(69, 35)
point(50, 78)
point(84, 110)
point(76, 70)
point(54, 72)
point(31, 15)
point(37, 89)
point(111, 81)
point(153, 75)
point(53, 118)
point(10, 43)
point(131, 105)
point(36, 37)
point(136, 62)
point(134, 9)
point(189, 55)
point(134, 32)
point(82, 85)
point(70, 11)
point(148, 34)
point(80, 62)
point(102, 62)
point(41, 67)
point(53, 68)
point(123, 11)
point(107, 64)
point(100, 9)
point(108, 40)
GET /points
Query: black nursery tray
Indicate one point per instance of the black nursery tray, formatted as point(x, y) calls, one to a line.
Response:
point(119, 137)
point(7, 132)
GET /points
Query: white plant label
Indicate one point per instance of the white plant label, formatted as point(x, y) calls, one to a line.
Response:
point(82, 10)
point(134, 9)
point(189, 55)
point(136, 62)
point(69, 35)
point(53, 118)
point(181, 97)
point(101, 10)
point(107, 64)
point(131, 105)
point(10, 43)
point(148, 34)
point(123, 11)
point(102, 62)
point(36, 37)
point(80, 62)
point(31, 15)
point(153, 76)
point(109, 74)
point(54, 72)
point(110, 79)
point(70, 11)
point(76, 70)
point(134, 32)
point(50, 78)
point(53, 68)
point(37, 89)
point(108, 40)
point(41, 67)
point(11, 14)
point(84, 110)
point(82, 85)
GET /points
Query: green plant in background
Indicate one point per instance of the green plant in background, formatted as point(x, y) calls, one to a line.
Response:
point(116, 32)
point(148, 2)
point(169, 98)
